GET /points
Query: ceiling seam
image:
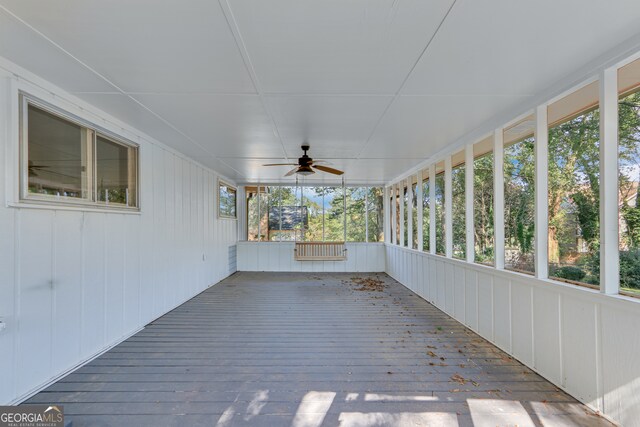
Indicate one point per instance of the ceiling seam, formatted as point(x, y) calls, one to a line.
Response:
point(246, 58)
point(406, 78)
point(120, 90)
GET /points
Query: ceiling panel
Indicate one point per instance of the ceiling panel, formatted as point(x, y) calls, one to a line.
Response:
point(528, 46)
point(228, 125)
point(334, 126)
point(145, 45)
point(336, 46)
point(26, 48)
point(125, 109)
point(419, 126)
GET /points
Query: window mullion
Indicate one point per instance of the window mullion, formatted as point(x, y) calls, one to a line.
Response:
point(448, 208)
point(541, 138)
point(468, 200)
point(498, 197)
point(609, 249)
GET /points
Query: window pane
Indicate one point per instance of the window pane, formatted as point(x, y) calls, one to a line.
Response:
point(313, 197)
point(414, 215)
point(574, 196)
point(252, 213)
point(439, 206)
point(356, 215)
point(375, 213)
point(227, 197)
point(334, 215)
point(483, 208)
point(397, 219)
point(405, 218)
point(458, 211)
point(629, 177)
point(426, 218)
point(115, 173)
point(56, 155)
point(519, 204)
point(283, 217)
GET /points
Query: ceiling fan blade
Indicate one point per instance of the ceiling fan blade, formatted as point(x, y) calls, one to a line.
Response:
point(325, 162)
point(328, 169)
point(291, 172)
point(280, 164)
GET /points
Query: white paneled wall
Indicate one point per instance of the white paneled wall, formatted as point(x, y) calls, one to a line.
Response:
point(278, 256)
point(75, 282)
point(583, 341)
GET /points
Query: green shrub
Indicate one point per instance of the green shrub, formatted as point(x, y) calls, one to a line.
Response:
point(570, 273)
point(630, 269)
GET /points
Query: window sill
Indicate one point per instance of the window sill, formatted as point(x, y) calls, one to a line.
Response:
point(24, 204)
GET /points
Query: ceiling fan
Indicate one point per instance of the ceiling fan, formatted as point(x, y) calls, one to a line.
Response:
point(306, 165)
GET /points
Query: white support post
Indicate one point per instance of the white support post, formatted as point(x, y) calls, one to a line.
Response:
point(448, 220)
point(394, 215)
point(609, 251)
point(498, 198)
point(409, 213)
point(402, 207)
point(387, 213)
point(541, 137)
point(420, 223)
point(432, 209)
point(468, 201)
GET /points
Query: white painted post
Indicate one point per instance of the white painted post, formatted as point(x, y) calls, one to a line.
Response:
point(393, 215)
point(420, 224)
point(498, 197)
point(468, 201)
point(609, 255)
point(402, 207)
point(541, 136)
point(409, 213)
point(387, 213)
point(432, 209)
point(448, 220)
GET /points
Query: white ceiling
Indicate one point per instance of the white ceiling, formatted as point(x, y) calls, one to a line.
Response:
point(375, 86)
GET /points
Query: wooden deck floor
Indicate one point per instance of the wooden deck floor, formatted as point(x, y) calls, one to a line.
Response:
point(304, 350)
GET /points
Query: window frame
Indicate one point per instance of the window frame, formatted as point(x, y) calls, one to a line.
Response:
point(221, 183)
point(90, 201)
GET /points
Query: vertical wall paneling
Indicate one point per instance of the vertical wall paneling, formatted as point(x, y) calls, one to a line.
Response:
point(76, 281)
point(581, 340)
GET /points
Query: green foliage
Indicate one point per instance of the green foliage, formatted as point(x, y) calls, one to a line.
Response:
point(570, 273)
point(630, 269)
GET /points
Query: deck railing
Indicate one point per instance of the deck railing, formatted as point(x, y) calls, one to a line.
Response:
point(320, 251)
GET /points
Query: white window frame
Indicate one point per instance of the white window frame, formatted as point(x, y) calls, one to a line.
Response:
point(222, 182)
point(90, 198)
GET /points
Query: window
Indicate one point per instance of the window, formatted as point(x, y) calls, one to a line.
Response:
point(414, 212)
point(356, 198)
point(458, 206)
point(375, 214)
point(574, 187)
point(227, 201)
point(310, 213)
point(629, 177)
point(519, 196)
point(396, 191)
point(426, 218)
point(405, 218)
point(65, 161)
point(483, 201)
point(439, 206)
